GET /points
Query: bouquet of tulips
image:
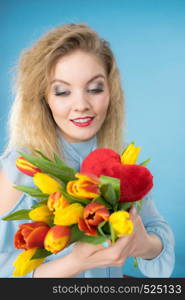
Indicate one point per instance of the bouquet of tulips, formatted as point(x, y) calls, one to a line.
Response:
point(90, 206)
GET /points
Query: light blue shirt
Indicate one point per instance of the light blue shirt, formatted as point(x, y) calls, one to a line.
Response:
point(74, 153)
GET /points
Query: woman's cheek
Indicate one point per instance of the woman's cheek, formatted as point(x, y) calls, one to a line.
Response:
point(59, 107)
point(103, 104)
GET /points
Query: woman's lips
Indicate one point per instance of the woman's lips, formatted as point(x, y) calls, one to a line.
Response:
point(83, 122)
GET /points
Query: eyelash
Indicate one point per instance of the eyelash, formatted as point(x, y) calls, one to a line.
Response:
point(93, 91)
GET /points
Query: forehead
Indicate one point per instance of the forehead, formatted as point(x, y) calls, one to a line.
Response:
point(78, 64)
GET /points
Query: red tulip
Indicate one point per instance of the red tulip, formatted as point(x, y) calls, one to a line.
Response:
point(93, 215)
point(31, 235)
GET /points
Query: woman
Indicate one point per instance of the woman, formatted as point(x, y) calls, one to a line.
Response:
point(70, 101)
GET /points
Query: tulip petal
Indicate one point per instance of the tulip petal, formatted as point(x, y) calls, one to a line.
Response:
point(69, 215)
point(84, 187)
point(45, 183)
point(41, 213)
point(88, 177)
point(57, 238)
point(89, 230)
point(26, 167)
point(121, 223)
point(36, 238)
point(23, 263)
point(27, 231)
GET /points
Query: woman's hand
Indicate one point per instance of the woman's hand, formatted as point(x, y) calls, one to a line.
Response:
point(138, 244)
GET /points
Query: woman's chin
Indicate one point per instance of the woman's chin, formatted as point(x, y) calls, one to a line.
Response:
point(78, 138)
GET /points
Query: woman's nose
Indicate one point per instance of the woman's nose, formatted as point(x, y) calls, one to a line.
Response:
point(81, 102)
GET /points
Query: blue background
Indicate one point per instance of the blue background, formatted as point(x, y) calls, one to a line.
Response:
point(148, 39)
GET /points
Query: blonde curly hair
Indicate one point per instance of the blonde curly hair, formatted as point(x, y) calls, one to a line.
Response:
point(30, 122)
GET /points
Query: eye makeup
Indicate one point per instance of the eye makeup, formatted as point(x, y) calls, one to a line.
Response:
point(93, 88)
point(59, 91)
point(96, 87)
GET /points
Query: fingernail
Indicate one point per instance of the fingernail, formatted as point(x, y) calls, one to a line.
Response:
point(105, 244)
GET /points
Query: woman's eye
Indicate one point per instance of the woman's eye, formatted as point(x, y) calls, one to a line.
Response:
point(95, 91)
point(62, 93)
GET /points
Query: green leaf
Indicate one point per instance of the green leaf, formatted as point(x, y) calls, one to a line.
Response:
point(58, 161)
point(76, 233)
point(102, 201)
point(115, 182)
point(63, 173)
point(73, 199)
point(125, 205)
point(40, 203)
point(108, 194)
point(41, 253)
point(42, 155)
point(144, 163)
point(34, 192)
point(22, 214)
point(93, 239)
point(101, 230)
point(50, 221)
point(113, 234)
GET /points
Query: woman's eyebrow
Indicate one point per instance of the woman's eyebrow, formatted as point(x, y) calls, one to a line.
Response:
point(95, 77)
point(65, 82)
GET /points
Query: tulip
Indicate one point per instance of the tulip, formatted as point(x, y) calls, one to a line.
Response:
point(121, 223)
point(57, 238)
point(31, 235)
point(56, 200)
point(41, 213)
point(45, 183)
point(130, 155)
point(93, 215)
point(86, 186)
point(24, 264)
point(69, 215)
point(26, 167)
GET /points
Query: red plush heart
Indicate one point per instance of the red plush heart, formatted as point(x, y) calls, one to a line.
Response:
point(136, 181)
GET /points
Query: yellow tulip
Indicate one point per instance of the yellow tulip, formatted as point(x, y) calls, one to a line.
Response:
point(69, 215)
point(130, 155)
point(45, 183)
point(23, 263)
point(121, 223)
point(41, 213)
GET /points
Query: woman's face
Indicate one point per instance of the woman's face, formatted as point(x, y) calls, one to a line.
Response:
point(79, 95)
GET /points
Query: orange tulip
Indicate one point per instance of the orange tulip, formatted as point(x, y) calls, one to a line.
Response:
point(57, 238)
point(56, 200)
point(93, 215)
point(86, 186)
point(31, 235)
point(26, 167)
